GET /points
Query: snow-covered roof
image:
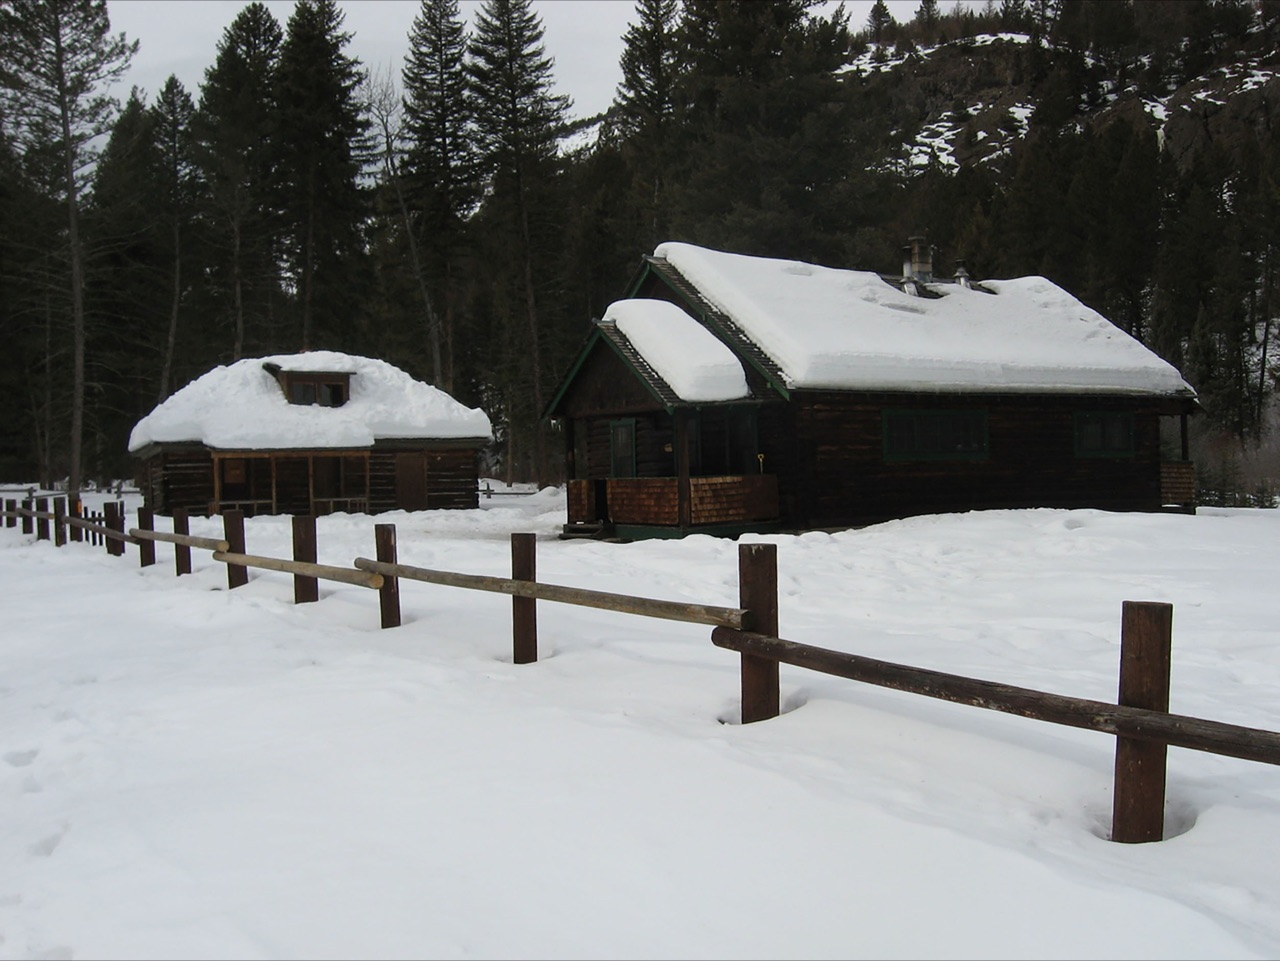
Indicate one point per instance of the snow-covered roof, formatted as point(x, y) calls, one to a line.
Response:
point(828, 328)
point(697, 366)
point(241, 406)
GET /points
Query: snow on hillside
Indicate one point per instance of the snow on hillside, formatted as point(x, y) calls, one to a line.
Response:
point(189, 771)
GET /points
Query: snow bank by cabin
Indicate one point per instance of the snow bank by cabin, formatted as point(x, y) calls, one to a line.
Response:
point(241, 406)
point(828, 328)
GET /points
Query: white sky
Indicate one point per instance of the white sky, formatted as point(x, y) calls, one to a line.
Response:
point(584, 37)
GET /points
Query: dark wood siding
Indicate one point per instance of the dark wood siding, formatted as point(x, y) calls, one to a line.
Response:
point(1031, 462)
point(655, 456)
point(184, 478)
point(605, 385)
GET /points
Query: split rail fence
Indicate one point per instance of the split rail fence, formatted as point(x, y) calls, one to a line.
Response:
point(1140, 720)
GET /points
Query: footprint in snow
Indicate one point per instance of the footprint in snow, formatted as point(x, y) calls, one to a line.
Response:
point(21, 758)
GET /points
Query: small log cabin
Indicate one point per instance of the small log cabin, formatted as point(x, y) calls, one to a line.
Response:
point(309, 433)
point(728, 393)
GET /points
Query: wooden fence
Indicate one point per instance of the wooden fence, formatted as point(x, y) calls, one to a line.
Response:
point(1140, 720)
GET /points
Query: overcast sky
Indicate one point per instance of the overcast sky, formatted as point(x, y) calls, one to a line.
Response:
point(583, 36)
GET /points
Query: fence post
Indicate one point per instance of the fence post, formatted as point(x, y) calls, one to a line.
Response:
point(389, 594)
point(1146, 640)
point(305, 589)
point(42, 524)
point(524, 610)
point(28, 527)
point(11, 519)
point(112, 517)
point(74, 509)
point(59, 522)
point(758, 594)
point(146, 548)
point(181, 552)
point(233, 534)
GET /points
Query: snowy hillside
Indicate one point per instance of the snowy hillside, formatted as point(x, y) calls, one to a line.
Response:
point(188, 771)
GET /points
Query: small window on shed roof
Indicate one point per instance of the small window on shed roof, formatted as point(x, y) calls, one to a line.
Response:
point(307, 387)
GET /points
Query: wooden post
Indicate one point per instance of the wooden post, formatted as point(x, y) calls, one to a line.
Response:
point(389, 594)
point(758, 593)
point(28, 526)
point(59, 522)
point(75, 509)
point(524, 610)
point(11, 519)
point(113, 517)
point(305, 589)
point(181, 552)
point(42, 525)
point(146, 548)
point(233, 534)
point(1146, 640)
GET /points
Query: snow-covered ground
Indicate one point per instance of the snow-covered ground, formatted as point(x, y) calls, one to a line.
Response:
point(193, 772)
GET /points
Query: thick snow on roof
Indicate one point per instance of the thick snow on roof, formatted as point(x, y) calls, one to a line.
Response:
point(242, 407)
point(849, 329)
point(696, 365)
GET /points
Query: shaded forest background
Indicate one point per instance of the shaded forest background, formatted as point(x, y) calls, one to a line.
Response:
point(459, 223)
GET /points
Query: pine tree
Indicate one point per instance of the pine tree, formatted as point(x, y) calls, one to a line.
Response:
point(127, 277)
point(645, 109)
point(62, 57)
point(179, 193)
point(879, 20)
point(518, 119)
point(766, 159)
point(322, 143)
point(235, 130)
point(443, 178)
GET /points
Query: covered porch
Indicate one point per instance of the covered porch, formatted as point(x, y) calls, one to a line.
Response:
point(670, 506)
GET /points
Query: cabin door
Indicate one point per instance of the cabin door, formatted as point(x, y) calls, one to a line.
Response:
point(411, 481)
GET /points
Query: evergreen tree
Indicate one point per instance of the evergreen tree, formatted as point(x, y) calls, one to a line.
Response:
point(179, 192)
point(879, 20)
point(645, 108)
point(321, 141)
point(127, 277)
point(518, 119)
point(767, 162)
point(235, 131)
point(443, 181)
point(61, 58)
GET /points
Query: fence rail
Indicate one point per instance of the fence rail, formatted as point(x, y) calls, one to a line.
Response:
point(1140, 720)
point(1178, 730)
point(732, 617)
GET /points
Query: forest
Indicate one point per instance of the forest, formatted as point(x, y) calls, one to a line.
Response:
point(458, 222)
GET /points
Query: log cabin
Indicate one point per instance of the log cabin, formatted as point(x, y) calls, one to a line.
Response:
point(728, 393)
point(310, 433)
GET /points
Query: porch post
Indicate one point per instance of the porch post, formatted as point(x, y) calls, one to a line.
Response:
point(216, 506)
point(1186, 444)
point(684, 492)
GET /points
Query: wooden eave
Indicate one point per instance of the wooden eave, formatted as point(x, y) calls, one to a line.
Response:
point(389, 443)
point(720, 323)
point(608, 334)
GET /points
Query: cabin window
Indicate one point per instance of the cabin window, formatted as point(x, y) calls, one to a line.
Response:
point(323, 392)
point(1104, 434)
point(728, 443)
point(935, 434)
point(622, 447)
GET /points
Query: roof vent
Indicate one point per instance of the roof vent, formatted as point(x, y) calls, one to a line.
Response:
point(921, 259)
point(962, 275)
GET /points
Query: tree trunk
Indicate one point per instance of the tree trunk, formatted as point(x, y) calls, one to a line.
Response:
point(77, 273)
point(237, 284)
point(166, 369)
